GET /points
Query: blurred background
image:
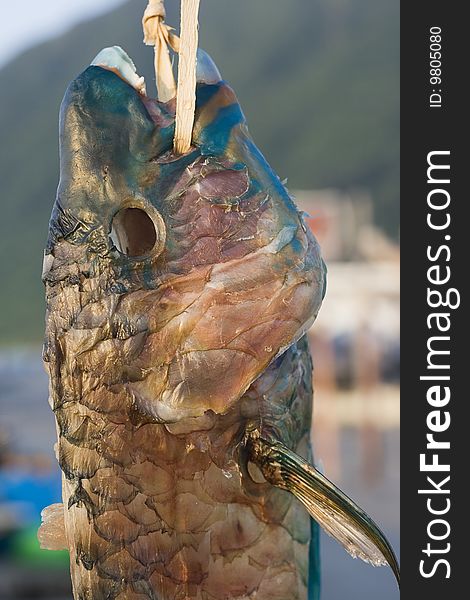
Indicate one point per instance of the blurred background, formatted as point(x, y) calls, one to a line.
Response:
point(319, 83)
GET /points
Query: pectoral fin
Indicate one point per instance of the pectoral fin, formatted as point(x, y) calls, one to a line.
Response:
point(339, 516)
point(51, 533)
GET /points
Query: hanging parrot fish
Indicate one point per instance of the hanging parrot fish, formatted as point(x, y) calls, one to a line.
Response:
point(179, 292)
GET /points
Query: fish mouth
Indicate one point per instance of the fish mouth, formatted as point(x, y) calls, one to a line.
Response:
point(116, 60)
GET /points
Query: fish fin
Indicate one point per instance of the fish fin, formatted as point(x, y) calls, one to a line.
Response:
point(337, 514)
point(51, 533)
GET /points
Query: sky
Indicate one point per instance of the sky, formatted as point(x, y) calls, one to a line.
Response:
point(25, 23)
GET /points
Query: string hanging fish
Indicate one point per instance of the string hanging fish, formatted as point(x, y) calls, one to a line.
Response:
point(179, 291)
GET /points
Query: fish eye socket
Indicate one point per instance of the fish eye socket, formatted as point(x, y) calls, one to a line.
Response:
point(135, 233)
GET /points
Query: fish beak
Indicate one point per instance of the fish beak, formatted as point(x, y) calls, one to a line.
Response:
point(206, 69)
point(116, 60)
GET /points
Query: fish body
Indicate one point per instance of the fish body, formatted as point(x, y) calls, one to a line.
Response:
point(179, 290)
point(160, 363)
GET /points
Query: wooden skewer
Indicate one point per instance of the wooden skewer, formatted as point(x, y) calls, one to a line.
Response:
point(160, 35)
point(186, 89)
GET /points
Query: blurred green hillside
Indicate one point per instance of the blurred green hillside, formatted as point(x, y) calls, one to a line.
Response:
point(318, 81)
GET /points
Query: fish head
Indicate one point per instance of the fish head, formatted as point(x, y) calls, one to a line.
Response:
point(181, 276)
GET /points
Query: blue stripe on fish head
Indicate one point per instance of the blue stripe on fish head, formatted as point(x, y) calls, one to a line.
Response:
point(215, 136)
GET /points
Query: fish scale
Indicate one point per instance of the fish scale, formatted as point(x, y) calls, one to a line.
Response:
point(141, 510)
point(179, 290)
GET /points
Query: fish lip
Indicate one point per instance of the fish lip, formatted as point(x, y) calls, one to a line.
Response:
point(206, 70)
point(116, 60)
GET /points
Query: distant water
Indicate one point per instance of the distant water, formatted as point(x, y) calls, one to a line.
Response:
point(25, 414)
point(376, 488)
